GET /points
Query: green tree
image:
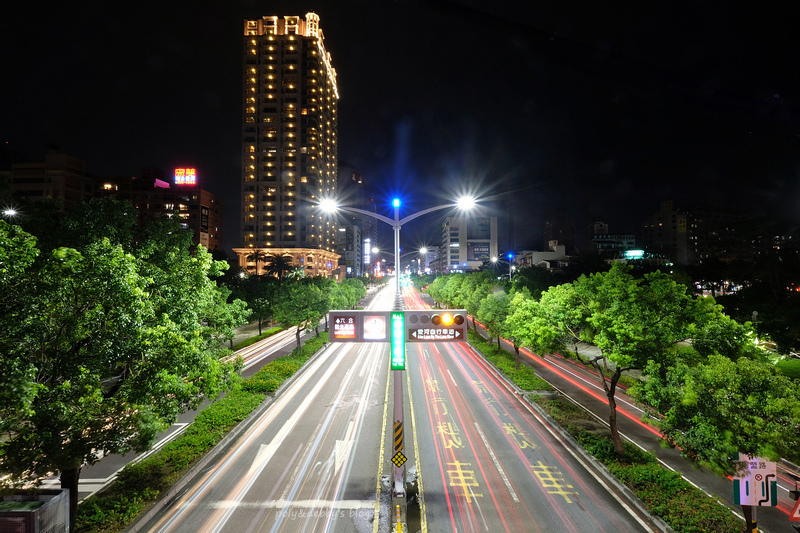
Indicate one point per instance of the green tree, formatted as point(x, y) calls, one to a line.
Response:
point(359, 291)
point(112, 346)
point(279, 266)
point(297, 305)
point(716, 409)
point(536, 280)
point(258, 257)
point(493, 312)
point(17, 254)
point(322, 302)
point(565, 310)
point(259, 293)
point(473, 303)
point(295, 273)
point(452, 289)
point(632, 322)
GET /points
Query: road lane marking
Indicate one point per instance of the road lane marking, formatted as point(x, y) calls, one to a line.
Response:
point(377, 512)
point(303, 504)
point(188, 499)
point(497, 464)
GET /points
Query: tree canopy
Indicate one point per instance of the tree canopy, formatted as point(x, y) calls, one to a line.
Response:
point(108, 341)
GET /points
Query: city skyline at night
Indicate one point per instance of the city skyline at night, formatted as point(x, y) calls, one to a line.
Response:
point(600, 111)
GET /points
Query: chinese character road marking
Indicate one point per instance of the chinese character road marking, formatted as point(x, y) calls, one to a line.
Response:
point(520, 438)
point(550, 478)
point(440, 403)
point(464, 479)
point(449, 430)
point(433, 387)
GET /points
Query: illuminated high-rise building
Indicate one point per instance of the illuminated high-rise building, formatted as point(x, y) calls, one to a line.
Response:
point(289, 152)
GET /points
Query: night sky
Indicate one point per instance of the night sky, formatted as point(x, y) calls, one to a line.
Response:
point(539, 107)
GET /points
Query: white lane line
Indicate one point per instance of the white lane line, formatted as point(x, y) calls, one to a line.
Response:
point(282, 434)
point(497, 464)
point(303, 504)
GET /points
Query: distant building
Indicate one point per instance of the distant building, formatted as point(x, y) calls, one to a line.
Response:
point(690, 236)
point(58, 176)
point(65, 177)
point(289, 151)
point(555, 257)
point(349, 245)
point(467, 243)
point(557, 227)
point(153, 196)
point(607, 244)
point(352, 193)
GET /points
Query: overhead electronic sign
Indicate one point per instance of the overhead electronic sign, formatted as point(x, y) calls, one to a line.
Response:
point(359, 326)
point(431, 325)
point(436, 325)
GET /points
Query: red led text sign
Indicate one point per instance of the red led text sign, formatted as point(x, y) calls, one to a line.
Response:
point(185, 176)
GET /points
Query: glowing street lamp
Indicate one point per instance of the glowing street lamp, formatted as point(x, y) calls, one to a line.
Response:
point(329, 205)
point(511, 267)
point(463, 203)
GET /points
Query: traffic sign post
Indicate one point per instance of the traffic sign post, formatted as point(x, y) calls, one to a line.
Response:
point(398, 341)
point(399, 327)
point(440, 325)
point(756, 485)
point(359, 326)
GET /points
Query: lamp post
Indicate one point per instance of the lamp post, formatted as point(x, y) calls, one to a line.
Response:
point(422, 251)
point(511, 266)
point(463, 203)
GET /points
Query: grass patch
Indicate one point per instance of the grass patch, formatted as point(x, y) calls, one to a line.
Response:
point(139, 485)
point(523, 377)
point(789, 367)
point(252, 340)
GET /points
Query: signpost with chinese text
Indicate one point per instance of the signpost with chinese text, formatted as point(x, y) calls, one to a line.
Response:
point(757, 484)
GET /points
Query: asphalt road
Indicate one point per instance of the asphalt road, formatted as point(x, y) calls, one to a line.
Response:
point(583, 387)
point(318, 458)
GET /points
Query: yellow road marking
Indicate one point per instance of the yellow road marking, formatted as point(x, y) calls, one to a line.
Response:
point(376, 521)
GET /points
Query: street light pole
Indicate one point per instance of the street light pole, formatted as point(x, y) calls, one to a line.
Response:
point(396, 204)
point(399, 488)
point(510, 265)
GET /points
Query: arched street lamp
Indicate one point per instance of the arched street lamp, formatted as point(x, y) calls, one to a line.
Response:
point(329, 205)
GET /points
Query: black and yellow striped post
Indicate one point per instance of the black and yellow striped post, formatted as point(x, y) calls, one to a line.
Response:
point(398, 436)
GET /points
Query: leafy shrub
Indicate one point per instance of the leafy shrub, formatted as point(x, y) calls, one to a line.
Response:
point(523, 377)
point(264, 383)
point(664, 492)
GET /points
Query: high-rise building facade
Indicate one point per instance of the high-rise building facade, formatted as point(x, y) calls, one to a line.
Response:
point(467, 243)
point(289, 152)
